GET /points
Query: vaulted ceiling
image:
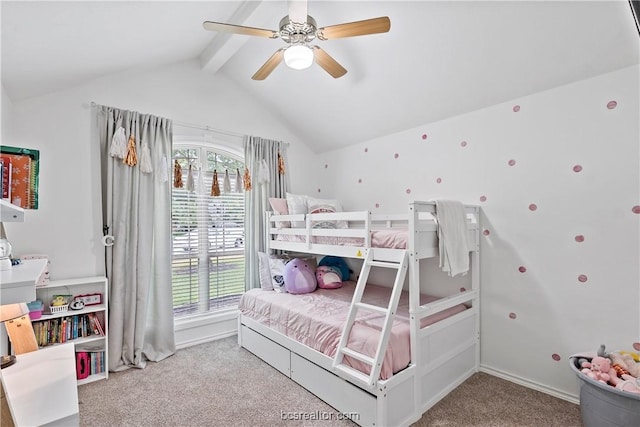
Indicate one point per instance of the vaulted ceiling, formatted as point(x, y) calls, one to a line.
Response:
point(440, 58)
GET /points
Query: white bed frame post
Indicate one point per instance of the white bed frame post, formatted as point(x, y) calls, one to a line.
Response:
point(414, 302)
point(475, 280)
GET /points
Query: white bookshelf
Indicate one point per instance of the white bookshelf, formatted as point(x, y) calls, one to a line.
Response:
point(76, 287)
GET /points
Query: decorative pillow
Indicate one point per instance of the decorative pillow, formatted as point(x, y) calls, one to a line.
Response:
point(279, 206)
point(297, 204)
point(325, 206)
point(276, 267)
point(328, 277)
point(299, 277)
point(264, 272)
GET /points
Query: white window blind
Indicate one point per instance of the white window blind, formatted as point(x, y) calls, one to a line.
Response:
point(208, 233)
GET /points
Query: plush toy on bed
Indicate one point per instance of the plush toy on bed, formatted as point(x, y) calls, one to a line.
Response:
point(598, 369)
point(299, 277)
point(328, 277)
point(337, 262)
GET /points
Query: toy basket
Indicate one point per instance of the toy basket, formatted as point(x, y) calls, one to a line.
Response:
point(55, 309)
point(602, 405)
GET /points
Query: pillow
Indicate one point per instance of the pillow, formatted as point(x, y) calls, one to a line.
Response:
point(264, 272)
point(325, 206)
point(276, 267)
point(279, 206)
point(297, 204)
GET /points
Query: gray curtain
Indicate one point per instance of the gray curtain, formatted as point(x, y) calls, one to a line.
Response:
point(136, 208)
point(261, 159)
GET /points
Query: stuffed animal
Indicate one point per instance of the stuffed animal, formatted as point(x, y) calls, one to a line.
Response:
point(628, 383)
point(337, 262)
point(598, 369)
point(328, 277)
point(625, 361)
point(299, 277)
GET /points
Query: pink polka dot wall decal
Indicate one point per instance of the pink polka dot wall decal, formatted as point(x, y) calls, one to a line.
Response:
point(556, 357)
point(533, 207)
point(486, 232)
point(395, 156)
point(483, 198)
point(636, 209)
point(512, 316)
point(377, 205)
point(579, 238)
point(439, 180)
point(318, 190)
point(424, 136)
point(636, 346)
point(360, 181)
point(577, 168)
point(408, 191)
point(326, 166)
point(582, 278)
point(511, 162)
point(522, 269)
point(611, 105)
point(463, 144)
point(516, 108)
point(462, 289)
point(366, 150)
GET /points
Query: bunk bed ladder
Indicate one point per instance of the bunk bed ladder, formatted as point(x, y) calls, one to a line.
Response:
point(389, 312)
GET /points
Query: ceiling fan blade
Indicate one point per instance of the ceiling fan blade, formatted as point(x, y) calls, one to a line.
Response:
point(269, 66)
point(358, 28)
point(298, 11)
point(239, 29)
point(330, 65)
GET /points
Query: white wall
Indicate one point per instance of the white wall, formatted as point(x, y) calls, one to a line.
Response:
point(7, 108)
point(67, 226)
point(532, 321)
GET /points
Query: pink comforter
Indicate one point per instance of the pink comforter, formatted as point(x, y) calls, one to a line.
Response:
point(316, 320)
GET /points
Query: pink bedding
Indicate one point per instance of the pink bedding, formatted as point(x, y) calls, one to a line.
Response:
point(390, 238)
point(316, 320)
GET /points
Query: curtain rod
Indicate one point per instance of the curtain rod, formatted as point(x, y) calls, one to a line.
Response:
point(200, 127)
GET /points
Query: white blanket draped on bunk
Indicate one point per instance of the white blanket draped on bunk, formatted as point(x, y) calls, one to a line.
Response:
point(452, 237)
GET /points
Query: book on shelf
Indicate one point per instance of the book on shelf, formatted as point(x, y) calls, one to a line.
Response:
point(63, 329)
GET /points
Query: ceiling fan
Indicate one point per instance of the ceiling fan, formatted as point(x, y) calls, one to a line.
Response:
point(298, 30)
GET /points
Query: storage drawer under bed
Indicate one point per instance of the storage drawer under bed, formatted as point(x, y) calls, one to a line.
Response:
point(272, 353)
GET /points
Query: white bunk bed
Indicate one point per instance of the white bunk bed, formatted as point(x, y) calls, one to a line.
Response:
point(443, 354)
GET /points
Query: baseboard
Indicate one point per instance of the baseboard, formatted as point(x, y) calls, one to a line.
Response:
point(530, 384)
point(206, 339)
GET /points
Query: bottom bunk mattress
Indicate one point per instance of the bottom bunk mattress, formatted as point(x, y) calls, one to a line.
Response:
point(317, 319)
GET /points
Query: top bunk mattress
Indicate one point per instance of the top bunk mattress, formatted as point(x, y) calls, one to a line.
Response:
point(390, 239)
point(317, 319)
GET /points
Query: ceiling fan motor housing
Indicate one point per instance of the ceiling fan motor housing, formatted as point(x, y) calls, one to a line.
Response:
point(298, 32)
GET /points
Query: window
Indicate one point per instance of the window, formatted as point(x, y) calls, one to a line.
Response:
point(207, 233)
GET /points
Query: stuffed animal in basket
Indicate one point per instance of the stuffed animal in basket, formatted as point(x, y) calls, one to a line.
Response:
point(299, 277)
point(599, 369)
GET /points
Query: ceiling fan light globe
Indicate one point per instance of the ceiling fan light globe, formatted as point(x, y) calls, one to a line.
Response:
point(298, 57)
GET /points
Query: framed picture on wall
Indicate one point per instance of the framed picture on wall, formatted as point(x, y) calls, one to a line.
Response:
point(20, 173)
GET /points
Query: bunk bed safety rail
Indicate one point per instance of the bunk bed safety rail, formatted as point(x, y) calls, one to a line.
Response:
point(444, 303)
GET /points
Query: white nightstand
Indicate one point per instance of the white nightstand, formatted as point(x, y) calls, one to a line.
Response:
point(41, 387)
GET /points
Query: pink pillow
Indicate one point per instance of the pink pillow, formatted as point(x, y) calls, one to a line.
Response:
point(280, 207)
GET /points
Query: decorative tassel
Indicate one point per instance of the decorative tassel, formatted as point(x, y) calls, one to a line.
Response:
point(118, 144)
point(280, 164)
point(238, 181)
point(131, 158)
point(227, 182)
point(215, 187)
point(177, 175)
point(246, 180)
point(190, 183)
point(145, 159)
point(163, 175)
